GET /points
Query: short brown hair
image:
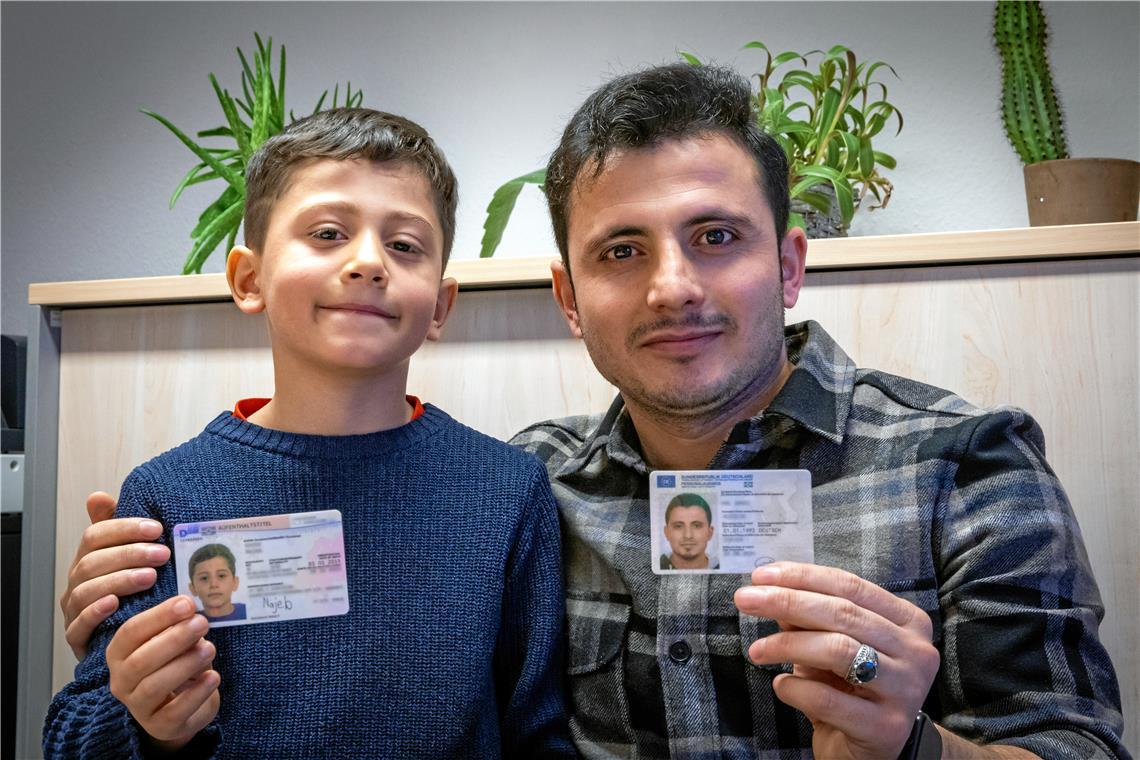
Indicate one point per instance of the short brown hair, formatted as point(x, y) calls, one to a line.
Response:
point(340, 134)
point(212, 551)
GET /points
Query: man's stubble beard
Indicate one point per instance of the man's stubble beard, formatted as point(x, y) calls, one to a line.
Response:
point(683, 405)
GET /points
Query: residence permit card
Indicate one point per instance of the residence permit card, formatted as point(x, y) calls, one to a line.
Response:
point(729, 521)
point(284, 567)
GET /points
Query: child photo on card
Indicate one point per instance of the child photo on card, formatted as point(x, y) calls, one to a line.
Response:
point(214, 582)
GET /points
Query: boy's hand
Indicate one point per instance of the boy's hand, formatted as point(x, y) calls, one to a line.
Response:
point(115, 558)
point(160, 669)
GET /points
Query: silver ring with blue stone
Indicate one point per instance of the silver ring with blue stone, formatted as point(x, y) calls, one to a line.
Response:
point(864, 668)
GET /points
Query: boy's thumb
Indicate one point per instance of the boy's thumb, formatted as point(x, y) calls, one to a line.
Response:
point(100, 506)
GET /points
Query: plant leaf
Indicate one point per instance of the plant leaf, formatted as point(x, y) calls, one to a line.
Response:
point(846, 198)
point(237, 126)
point(500, 208)
point(884, 159)
point(235, 180)
point(690, 58)
point(210, 236)
point(866, 157)
point(224, 201)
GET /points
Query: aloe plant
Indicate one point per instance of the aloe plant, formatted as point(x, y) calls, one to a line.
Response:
point(252, 118)
point(1029, 108)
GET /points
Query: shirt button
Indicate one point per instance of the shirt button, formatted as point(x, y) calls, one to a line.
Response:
point(680, 652)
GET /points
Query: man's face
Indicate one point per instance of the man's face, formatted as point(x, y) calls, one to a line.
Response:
point(688, 531)
point(677, 287)
point(214, 583)
point(350, 271)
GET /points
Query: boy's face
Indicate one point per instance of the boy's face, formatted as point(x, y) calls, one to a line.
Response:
point(350, 272)
point(214, 583)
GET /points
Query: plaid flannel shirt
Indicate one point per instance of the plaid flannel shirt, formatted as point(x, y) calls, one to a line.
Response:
point(948, 506)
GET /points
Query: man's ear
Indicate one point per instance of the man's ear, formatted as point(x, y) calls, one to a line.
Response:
point(564, 297)
point(242, 268)
point(444, 304)
point(793, 262)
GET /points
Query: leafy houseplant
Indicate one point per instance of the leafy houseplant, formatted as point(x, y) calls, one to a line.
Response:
point(1059, 190)
point(250, 120)
point(826, 118)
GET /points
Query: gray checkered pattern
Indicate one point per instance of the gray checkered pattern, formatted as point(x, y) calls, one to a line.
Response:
point(950, 507)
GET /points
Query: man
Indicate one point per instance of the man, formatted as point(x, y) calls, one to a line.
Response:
point(688, 529)
point(951, 578)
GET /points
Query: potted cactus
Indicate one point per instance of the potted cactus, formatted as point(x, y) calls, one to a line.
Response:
point(1058, 189)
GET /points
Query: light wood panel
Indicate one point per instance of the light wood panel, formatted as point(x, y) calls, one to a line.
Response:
point(1061, 339)
point(992, 246)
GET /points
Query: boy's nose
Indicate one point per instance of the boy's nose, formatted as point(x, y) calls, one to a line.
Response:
point(367, 261)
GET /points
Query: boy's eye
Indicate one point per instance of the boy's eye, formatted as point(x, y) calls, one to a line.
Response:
point(327, 233)
point(403, 247)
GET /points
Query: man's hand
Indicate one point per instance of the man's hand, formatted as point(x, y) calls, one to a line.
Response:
point(824, 615)
point(115, 558)
point(160, 669)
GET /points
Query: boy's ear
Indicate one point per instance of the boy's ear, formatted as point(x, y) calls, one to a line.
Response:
point(242, 267)
point(444, 304)
point(564, 297)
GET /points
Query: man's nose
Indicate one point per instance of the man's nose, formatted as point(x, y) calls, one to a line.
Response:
point(675, 282)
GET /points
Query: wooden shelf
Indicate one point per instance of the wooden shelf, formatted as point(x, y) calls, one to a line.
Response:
point(990, 246)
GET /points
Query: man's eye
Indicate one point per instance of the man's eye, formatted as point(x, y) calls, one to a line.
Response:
point(403, 247)
point(717, 236)
point(621, 251)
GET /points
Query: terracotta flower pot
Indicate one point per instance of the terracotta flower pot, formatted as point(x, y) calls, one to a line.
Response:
point(1082, 191)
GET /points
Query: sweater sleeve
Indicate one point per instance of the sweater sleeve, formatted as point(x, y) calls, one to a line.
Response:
point(529, 657)
point(1022, 663)
point(85, 720)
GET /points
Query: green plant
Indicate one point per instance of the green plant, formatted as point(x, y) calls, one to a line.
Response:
point(1029, 108)
point(250, 120)
point(500, 208)
point(826, 120)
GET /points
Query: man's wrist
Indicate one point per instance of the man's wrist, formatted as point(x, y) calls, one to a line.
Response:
point(924, 742)
point(954, 746)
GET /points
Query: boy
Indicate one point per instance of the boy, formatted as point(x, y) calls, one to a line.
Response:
point(451, 648)
point(213, 579)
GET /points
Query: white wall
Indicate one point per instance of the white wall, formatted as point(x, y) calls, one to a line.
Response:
point(86, 177)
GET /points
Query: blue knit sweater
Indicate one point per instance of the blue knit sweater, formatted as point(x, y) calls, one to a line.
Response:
point(453, 643)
